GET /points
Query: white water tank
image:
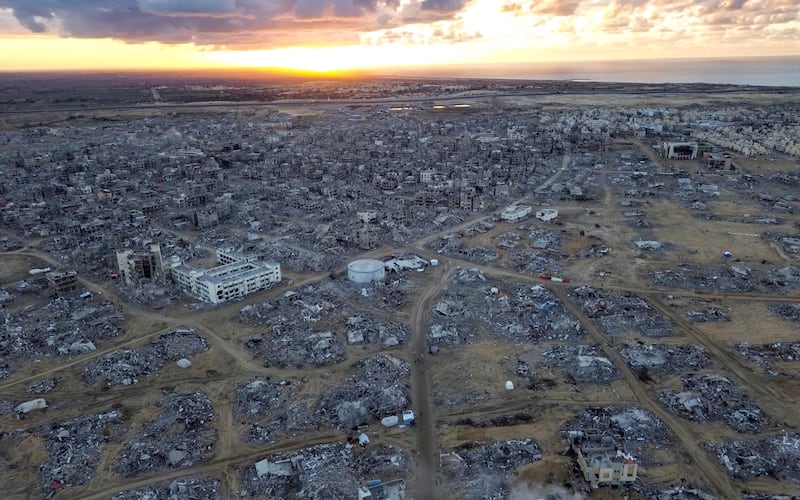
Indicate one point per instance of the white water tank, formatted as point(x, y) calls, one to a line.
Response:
point(365, 271)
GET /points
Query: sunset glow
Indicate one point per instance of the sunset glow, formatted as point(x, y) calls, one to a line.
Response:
point(325, 35)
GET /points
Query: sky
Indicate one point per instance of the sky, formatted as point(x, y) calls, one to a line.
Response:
point(324, 35)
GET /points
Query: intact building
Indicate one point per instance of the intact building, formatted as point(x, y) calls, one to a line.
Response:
point(236, 276)
point(601, 461)
point(515, 213)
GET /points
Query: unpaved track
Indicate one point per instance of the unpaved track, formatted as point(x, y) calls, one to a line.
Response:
point(425, 484)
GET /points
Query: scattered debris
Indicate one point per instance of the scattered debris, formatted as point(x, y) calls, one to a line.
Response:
point(378, 389)
point(74, 448)
point(665, 358)
point(707, 315)
point(765, 354)
point(584, 363)
point(483, 470)
point(179, 489)
point(621, 313)
point(321, 472)
point(775, 456)
point(125, 367)
point(181, 436)
point(43, 386)
point(714, 397)
point(635, 429)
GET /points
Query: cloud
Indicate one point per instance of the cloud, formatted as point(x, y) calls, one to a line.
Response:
point(210, 22)
point(263, 24)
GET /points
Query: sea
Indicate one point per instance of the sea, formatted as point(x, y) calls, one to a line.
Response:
point(783, 71)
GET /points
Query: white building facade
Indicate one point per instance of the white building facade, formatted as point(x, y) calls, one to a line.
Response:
point(237, 276)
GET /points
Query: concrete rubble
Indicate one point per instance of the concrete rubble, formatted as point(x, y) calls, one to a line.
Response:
point(731, 278)
point(74, 449)
point(380, 387)
point(714, 397)
point(776, 456)
point(764, 355)
point(127, 366)
point(483, 470)
point(506, 311)
point(182, 435)
point(787, 312)
point(321, 472)
point(620, 314)
point(44, 386)
point(681, 492)
point(191, 488)
point(708, 315)
point(274, 408)
point(647, 359)
point(61, 327)
point(583, 363)
point(636, 430)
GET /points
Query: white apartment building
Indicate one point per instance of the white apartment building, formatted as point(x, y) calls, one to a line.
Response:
point(515, 213)
point(236, 276)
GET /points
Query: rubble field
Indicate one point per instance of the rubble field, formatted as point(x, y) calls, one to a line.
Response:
point(127, 366)
point(645, 359)
point(505, 311)
point(737, 278)
point(321, 472)
point(619, 314)
point(182, 435)
point(64, 326)
point(274, 408)
point(777, 457)
point(190, 488)
point(379, 388)
point(482, 471)
point(585, 364)
point(764, 355)
point(638, 431)
point(714, 397)
point(75, 449)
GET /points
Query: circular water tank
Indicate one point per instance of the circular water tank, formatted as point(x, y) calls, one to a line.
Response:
point(365, 271)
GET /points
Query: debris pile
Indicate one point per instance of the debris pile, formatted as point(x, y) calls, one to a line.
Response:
point(453, 246)
point(272, 409)
point(179, 489)
point(635, 429)
point(584, 363)
point(43, 386)
point(506, 311)
point(764, 354)
point(734, 278)
point(292, 309)
point(707, 315)
point(665, 358)
point(379, 388)
point(63, 326)
point(482, 470)
point(181, 436)
point(321, 472)
point(74, 448)
point(681, 492)
point(299, 260)
point(621, 313)
point(294, 348)
point(364, 329)
point(714, 397)
point(775, 456)
point(787, 312)
point(126, 366)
